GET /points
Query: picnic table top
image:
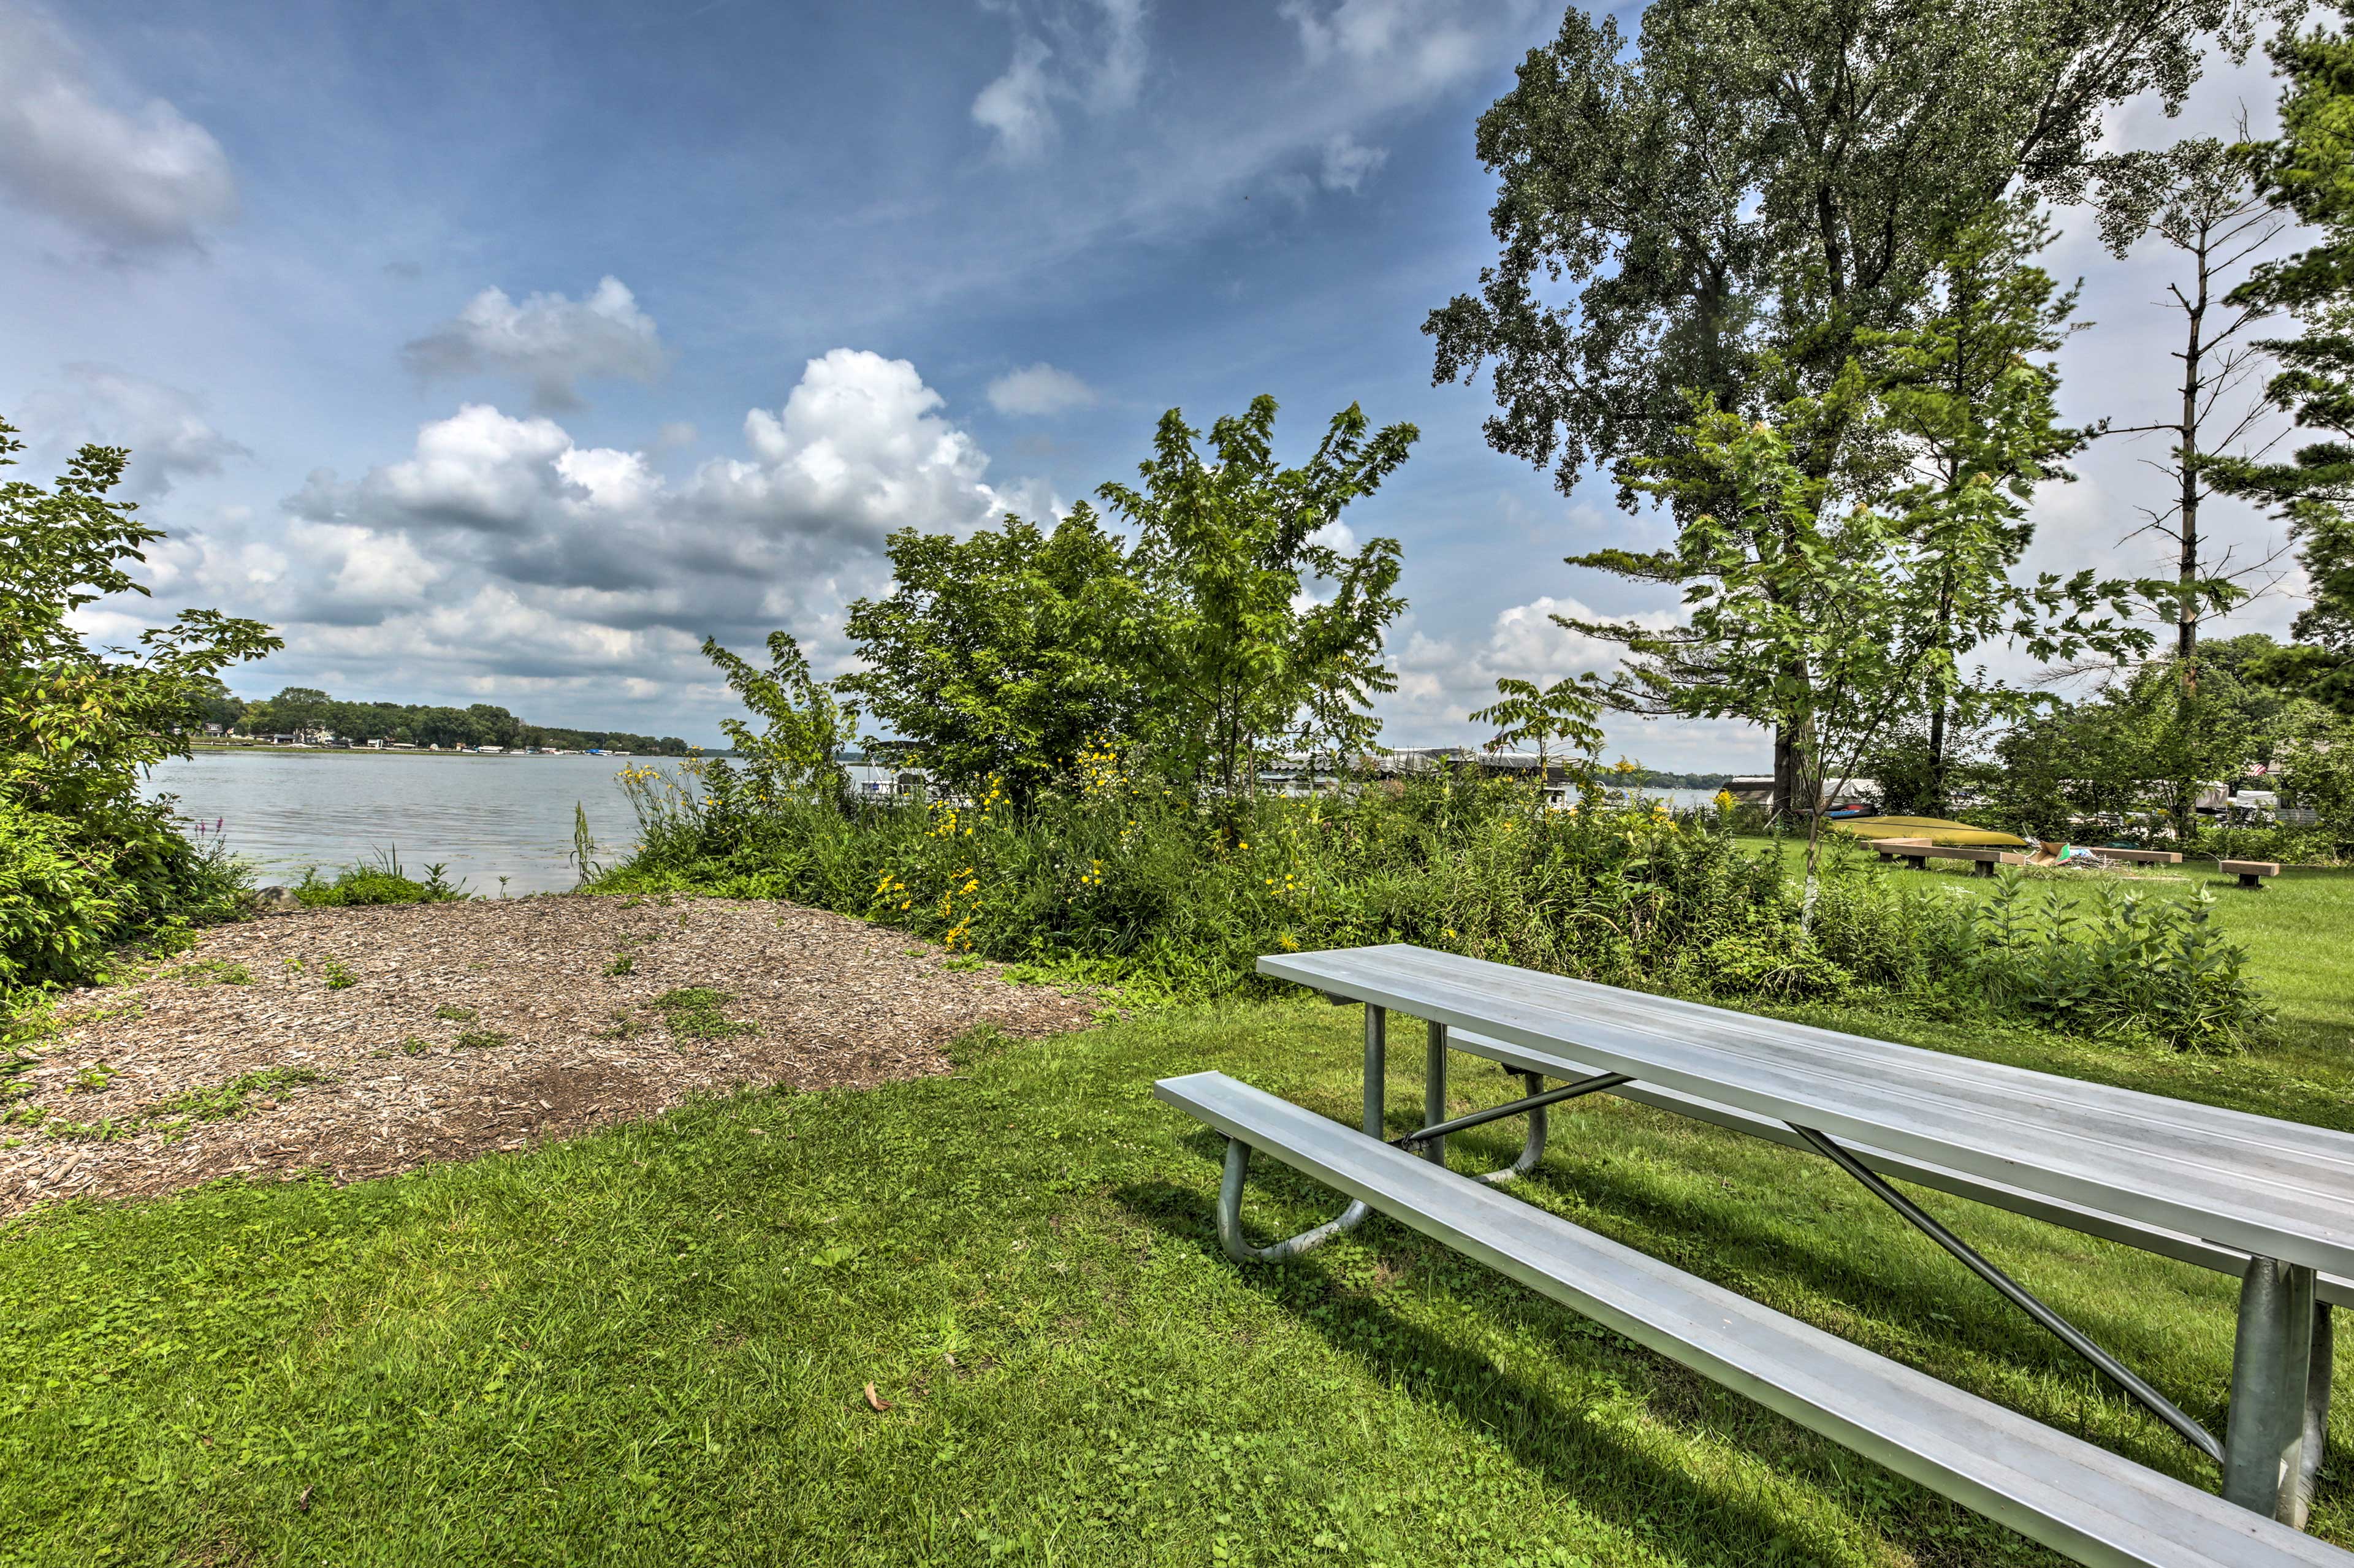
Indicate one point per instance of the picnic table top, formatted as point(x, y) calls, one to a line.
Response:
point(2279, 1189)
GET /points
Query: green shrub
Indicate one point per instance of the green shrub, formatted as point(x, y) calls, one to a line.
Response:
point(1128, 884)
point(382, 883)
point(2134, 965)
point(86, 865)
point(57, 908)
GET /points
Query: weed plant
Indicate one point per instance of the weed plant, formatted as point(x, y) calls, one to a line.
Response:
point(1134, 884)
point(381, 881)
point(692, 1012)
point(2131, 962)
point(225, 1102)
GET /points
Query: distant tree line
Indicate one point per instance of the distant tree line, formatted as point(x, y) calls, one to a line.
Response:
point(301, 708)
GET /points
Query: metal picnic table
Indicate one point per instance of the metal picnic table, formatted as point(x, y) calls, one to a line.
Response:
point(2136, 1165)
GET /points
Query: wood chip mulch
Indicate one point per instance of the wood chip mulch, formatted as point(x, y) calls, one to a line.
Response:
point(438, 1032)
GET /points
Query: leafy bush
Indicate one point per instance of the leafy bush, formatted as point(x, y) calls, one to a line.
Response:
point(2134, 965)
point(71, 891)
point(85, 864)
point(1126, 882)
point(1131, 880)
point(54, 906)
point(383, 882)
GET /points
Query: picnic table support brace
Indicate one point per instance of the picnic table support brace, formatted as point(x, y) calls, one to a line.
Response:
point(1432, 1137)
point(2281, 1364)
point(1533, 1106)
point(1230, 1187)
point(2067, 1333)
point(2316, 1408)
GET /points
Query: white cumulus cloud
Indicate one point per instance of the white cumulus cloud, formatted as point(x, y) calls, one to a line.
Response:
point(1440, 679)
point(859, 449)
point(549, 341)
point(477, 468)
point(133, 178)
point(569, 553)
point(1040, 390)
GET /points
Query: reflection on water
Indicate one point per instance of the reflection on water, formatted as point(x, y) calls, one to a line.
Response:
point(486, 817)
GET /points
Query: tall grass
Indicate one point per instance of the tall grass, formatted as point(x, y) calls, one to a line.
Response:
point(1132, 883)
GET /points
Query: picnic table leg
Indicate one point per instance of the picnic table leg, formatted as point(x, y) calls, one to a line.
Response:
point(2316, 1410)
point(1533, 1149)
point(1237, 1171)
point(2271, 1392)
point(1433, 1091)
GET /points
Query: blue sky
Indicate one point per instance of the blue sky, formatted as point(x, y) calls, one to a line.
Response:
point(498, 353)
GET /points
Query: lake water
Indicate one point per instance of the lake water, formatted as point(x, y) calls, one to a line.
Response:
point(485, 817)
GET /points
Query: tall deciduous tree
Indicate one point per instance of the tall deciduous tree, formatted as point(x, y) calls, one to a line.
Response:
point(1974, 409)
point(1818, 613)
point(2197, 197)
point(2309, 171)
point(1229, 541)
point(1758, 184)
point(1800, 604)
point(1004, 655)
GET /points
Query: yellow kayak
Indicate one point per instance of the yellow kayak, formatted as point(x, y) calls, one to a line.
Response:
point(1936, 830)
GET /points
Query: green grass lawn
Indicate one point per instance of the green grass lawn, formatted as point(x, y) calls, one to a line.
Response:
point(652, 1345)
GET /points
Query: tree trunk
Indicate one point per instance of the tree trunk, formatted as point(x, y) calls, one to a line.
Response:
point(2186, 623)
point(1785, 792)
point(1935, 804)
point(2186, 612)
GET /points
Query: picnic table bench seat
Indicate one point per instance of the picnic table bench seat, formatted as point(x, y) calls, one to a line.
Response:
point(1918, 853)
point(2071, 1496)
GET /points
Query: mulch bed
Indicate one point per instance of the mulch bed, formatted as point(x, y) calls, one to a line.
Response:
point(438, 1032)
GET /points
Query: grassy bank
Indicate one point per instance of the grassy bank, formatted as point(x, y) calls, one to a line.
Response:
point(1134, 884)
point(653, 1345)
point(2295, 928)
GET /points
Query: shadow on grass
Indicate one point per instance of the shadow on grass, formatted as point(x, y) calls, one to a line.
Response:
point(1942, 1299)
point(1588, 1449)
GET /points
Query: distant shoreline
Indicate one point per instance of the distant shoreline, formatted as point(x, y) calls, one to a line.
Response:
point(214, 748)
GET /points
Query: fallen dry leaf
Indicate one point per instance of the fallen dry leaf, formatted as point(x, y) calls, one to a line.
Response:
point(876, 1400)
